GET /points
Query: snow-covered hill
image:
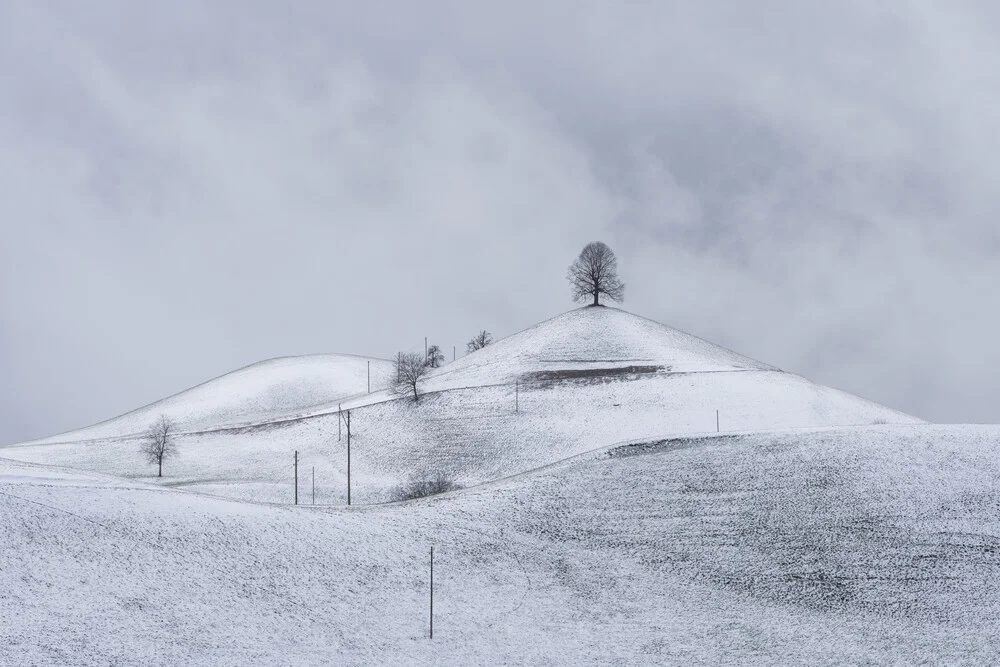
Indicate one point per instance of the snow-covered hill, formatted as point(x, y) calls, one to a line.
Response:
point(586, 340)
point(588, 378)
point(873, 545)
point(268, 390)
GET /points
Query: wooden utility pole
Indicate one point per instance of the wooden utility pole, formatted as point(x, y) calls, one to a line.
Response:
point(431, 616)
point(347, 417)
point(296, 477)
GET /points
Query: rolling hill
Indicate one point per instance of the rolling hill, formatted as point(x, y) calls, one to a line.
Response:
point(870, 545)
point(588, 378)
point(268, 390)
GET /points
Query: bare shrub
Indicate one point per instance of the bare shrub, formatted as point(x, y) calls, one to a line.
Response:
point(479, 341)
point(434, 357)
point(421, 486)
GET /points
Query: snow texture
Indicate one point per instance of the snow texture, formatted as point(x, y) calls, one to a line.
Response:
point(871, 545)
point(633, 495)
point(266, 391)
point(588, 378)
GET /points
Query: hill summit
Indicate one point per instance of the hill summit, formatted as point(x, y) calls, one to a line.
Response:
point(592, 338)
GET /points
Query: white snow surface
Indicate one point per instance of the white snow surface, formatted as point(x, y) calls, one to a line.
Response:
point(588, 378)
point(863, 545)
point(268, 390)
point(588, 338)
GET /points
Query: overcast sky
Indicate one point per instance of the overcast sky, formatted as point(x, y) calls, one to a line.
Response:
point(190, 187)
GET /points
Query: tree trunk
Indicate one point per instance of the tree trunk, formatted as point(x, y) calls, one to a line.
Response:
point(160, 473)
point(596, 292)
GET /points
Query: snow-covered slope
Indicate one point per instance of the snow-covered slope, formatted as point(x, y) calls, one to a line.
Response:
point(876, 545)
point(587, 339)
point(590, 377)
point(263, 391)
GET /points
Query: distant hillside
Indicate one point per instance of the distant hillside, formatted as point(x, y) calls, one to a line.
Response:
point(588, 378)
point(590, 338)
point(260, 392)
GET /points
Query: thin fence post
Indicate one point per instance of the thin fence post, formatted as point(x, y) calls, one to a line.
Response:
point(717, 422)
point(314, 485)
point(296, 477)
point(431, 616)
point(348, 457)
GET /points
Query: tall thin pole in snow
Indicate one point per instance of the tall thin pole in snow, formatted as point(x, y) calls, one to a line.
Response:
point(338, 421)
point(717, 421)
point(425, 347)
point(296, 477)
point(453, 352)
point(369, 377)
point(431, 616)
point(314, 485)
point(517, 390)
point(348, 457)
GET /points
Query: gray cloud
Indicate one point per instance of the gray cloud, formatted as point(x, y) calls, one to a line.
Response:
point(189, 189)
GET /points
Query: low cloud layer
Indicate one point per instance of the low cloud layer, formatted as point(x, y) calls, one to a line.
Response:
point(191, 189)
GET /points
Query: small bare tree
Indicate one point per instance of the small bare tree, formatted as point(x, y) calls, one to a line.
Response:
point(434, 357)
point(410, 367)
point(595, 272)
point(479, 341)
point(158, 442)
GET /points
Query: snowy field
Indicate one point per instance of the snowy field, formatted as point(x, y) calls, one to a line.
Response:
point(588, 378)
point(632, 495)
point(871, 545)
point(266, 391)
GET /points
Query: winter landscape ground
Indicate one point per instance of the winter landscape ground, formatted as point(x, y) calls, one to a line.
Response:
point(632, 495)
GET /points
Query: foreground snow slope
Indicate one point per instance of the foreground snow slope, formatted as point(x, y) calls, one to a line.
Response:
point(874, 545)
point(263, 391)
point(588, 378)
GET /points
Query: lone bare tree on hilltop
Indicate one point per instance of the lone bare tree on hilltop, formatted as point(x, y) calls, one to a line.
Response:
point(158, 442)
point(595, 272)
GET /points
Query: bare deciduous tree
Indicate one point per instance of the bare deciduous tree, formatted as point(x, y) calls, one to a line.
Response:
point(434, 356)
point(158, 442)
point(410, 367)
point(595, 272)
point(479, 341)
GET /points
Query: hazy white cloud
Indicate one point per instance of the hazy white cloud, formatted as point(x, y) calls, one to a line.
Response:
point(190, 188)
